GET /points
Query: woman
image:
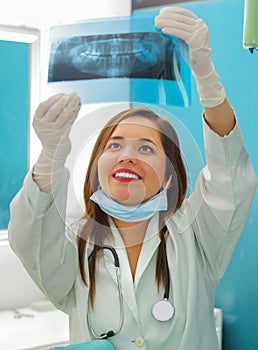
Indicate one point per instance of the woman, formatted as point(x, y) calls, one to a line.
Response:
point(168, 247)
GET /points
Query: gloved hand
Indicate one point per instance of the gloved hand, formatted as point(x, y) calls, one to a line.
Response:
point(52, 123)
point(185, 25)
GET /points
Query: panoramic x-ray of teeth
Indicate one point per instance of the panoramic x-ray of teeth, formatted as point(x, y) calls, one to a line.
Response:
point(130, 55)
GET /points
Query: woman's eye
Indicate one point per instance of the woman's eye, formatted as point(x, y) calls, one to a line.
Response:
point(147, 148)
point(114, 145)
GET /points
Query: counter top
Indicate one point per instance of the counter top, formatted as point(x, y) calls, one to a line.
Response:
point(38, 326)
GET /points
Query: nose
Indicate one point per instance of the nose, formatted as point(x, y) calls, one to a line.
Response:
point(128, 155)
point(128, 160)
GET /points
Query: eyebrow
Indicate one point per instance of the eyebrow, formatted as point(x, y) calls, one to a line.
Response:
point(140, 139)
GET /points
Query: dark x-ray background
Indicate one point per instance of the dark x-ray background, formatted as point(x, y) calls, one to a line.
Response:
point(132, 55)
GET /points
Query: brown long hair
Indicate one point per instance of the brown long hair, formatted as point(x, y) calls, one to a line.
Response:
point(96, 218)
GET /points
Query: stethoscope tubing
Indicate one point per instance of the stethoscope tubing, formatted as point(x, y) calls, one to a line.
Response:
point(112, 333)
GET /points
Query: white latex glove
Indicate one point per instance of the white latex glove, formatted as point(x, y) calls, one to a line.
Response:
point(185, 25)
point(52, 123)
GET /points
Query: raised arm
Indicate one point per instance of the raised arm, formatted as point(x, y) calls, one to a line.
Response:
point(185, 25)
point(38, 231)
point(220, 203)
point(221, 119)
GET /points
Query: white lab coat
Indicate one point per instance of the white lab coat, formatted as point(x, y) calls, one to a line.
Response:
point(202, 236)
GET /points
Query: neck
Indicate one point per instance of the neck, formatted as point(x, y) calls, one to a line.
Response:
point(133, 233)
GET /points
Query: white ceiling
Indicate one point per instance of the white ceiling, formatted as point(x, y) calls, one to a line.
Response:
point(43, 13)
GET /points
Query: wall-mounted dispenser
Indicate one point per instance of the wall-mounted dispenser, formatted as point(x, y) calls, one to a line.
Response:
point(118, 59)
point(250, 35)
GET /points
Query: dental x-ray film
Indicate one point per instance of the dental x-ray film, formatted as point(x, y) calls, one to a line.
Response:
point(118, 59)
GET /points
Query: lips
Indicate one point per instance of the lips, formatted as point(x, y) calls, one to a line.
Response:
point(126, 175)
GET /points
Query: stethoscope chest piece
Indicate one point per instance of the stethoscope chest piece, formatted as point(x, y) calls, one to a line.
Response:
point(163, 310)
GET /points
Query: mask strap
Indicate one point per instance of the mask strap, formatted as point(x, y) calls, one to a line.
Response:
point(168, 183)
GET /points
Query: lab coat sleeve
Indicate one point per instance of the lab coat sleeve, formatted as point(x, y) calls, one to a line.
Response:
point(40, 237)
point(220, 203)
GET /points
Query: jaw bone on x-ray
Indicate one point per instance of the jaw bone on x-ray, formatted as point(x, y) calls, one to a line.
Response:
point(117, 60)
point(130, 55)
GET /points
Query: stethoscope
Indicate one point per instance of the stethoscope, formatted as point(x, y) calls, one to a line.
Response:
point(162, 310)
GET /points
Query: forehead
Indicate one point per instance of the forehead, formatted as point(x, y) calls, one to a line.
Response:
point(138, 127)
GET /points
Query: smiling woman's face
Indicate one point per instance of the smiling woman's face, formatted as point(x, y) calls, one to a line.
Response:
point(132, 166)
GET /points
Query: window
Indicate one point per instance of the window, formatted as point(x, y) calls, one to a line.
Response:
point(19, 53)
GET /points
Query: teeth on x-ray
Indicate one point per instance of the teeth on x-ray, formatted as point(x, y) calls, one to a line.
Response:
point(116, 57)
point(137, 55)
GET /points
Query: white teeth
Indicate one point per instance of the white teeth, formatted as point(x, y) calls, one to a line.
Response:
point(126, 175)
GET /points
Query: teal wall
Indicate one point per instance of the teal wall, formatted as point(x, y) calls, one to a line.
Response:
point(237, 294)
point(14, 102)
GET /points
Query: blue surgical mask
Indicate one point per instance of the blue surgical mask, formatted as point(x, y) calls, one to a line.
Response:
point(135, 213)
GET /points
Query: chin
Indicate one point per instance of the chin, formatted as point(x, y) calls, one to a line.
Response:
point(127, 200)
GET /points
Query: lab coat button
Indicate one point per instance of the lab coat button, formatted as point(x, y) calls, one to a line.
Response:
point(139, 341)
